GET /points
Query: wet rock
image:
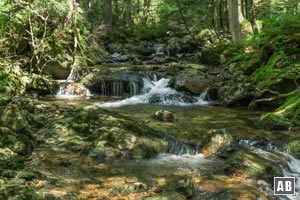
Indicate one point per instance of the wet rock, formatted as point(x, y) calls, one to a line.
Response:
point(215, 142)
point(192, 80)
point(244, 163)
point(118, 83)
point(164, 116)
point(76, 89)
point(186, 187)
point(166, 196)
point(14, 119)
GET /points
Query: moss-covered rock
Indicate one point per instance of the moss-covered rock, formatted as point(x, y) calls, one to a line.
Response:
point(252, 165)
point(235, 93)
point(192, 80)
point(293, 148)
point(19, 192)
point(286, 116)
point(102, 134)
point(14, 119)
point(216, 142)
point(164, 116)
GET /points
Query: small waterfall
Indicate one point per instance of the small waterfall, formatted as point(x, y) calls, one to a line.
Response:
point(159, 92)
point(292, 169)
point(134, 88)
point(72, 90)
point(182, 148)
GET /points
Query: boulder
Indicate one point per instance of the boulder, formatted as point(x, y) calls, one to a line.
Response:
point(76, 89)
point(215, 142)
point(56, 70)
point(246, 164)
point(293, 148)
point(192, 80)
point(235, 93)
point(186, 187)
point(14, 119)
point(42, 85)
point(164, 116)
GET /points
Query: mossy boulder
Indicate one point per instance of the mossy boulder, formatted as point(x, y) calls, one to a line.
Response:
point(192, 80)
point(164, 116)
point(186, 187)
point(215, 142)
point(286, 116)
point(18, 143)
point(272, 121)
point(247, 164)
point(235, 93)
point(293, 148)
point(13, 118)
point(103, 135)
point(22, 193)
point(56, 70)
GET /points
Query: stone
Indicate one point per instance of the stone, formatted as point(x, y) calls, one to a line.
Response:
point(293, 148)
point(14, 119)
point(186, 187)
point(76, 89)
point(164, 116)
point(215, 142)
point(192, 80)
point(56, 70)
point(235, 93)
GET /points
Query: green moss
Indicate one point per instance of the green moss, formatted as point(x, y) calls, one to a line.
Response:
point(293, 148)
point(27, 175)
point(287, 115)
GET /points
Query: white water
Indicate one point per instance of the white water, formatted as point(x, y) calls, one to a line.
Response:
point(64, 93)
point(185, 161)
point(291, 169)
point(162, 93)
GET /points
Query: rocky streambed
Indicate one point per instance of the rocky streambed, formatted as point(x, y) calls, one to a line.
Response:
point(71, 149)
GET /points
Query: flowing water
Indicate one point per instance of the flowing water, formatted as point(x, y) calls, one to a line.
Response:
point(75, 175)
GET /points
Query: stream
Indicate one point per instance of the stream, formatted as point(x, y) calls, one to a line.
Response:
point(78, 176)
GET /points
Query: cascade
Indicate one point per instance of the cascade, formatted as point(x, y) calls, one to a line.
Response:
point(158, 92)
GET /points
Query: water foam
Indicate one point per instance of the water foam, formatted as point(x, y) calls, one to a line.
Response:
point(157, 91)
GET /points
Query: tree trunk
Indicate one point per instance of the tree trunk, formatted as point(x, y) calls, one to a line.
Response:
point(217, 15)
point(234, 23)
point(107, 15)
point(250, 16)
point(128, 18)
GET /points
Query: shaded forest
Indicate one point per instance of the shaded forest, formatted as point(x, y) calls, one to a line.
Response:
point(90, 86)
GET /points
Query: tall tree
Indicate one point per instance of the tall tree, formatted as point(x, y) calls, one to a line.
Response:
point(234, 20)
point(107, 15)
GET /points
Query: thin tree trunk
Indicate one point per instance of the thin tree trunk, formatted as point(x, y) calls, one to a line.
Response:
point(107, 15)
point(234, 23)
point(250, 16)
point(128, 18)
